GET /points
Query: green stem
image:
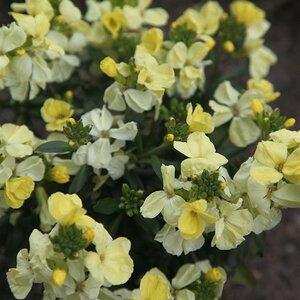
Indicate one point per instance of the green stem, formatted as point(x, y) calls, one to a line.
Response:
point(156, 150)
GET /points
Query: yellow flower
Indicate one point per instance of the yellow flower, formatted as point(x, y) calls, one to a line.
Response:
point(113, 21)
point(246, 12)
point(256, 106)
point(17, 190)
point(56, 113)
point(58, 277)
point(214, 275)
point(109, 67)
point(153, 287)
point(152, 40)
point(170, 137)
point(265, 87)
point(67, 209)
point(198, 120)
point(60, 174)
point(191, 223)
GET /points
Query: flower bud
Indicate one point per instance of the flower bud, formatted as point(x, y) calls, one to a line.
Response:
point(256, 106)
point(58, 277)
point(214, 275)
point(289, 123)
point(60, 174)
point(109, 67)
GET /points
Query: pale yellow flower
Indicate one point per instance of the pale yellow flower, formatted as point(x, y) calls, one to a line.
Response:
point(17, 190)
point(191, 223)
point(153, 287)
point(198, 120)
point(152, 40)
point(56, 113)
point(274, 163)
point(67, 209)
point(246, 12)
point(265, 86)
point(111, 264)
point(202, 155)
point(114, 21)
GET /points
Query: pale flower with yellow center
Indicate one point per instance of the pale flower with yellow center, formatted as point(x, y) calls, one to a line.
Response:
point(111, 264)
point(56, 114)
point(202, 155)
point(17, 190)
point(67, 209)
point(198, 120)
point(191, 223)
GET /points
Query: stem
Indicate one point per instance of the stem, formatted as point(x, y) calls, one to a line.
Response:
point(156, 149)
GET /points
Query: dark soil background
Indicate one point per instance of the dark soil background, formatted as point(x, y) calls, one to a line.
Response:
point(278, 272)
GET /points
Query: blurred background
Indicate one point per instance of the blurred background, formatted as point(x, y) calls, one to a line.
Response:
point(278, 272)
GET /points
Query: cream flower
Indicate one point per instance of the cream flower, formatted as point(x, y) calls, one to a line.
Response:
point(202, 155)
point(11, 37)
point(233, 225)
point(166, 201)
point(189, 63)
point(15, 141)
point(111, 264)
point(237, 108)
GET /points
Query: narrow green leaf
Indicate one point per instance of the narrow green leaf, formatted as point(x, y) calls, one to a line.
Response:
point(54, 147)
point(156, 165)
point(79, 180)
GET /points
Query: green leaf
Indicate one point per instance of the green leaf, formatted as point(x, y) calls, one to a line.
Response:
point(107, 206)
point(156, 165)
point(244, 275)
point(79, 180)
point(54, 147)
point(148, 225)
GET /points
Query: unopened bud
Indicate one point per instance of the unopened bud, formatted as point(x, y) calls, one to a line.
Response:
point(58, 277)
point(21, 52)
point(256, 106)
point(214, 275)
point(289, 122)
point(229, 46)
point(170, 137)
